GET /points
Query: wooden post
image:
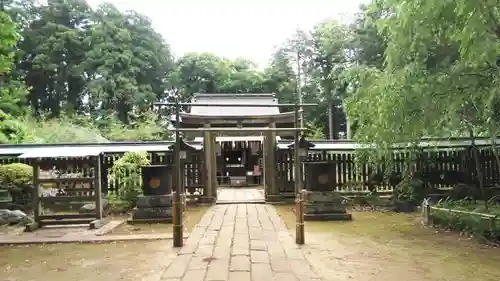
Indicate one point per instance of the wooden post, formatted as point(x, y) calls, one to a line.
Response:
point(97, 188)
point(213, 165)
point(265, 165)
point(182, 175)
point(265, 162)
point(104, 174)
point(299, 203)
point(272, 160)
point(207, 187)
point(269, 159)
point(426, 212)
point(37, 190)
point(493, 223)
point(177, 224)
point(36, 194)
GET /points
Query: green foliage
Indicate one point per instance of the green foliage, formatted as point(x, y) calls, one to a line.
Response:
point(409, 190)
point(128, 169)
point(313, 132)
point(17, 178)
point(110, 66)
point(141, 127)
point(15, 175)
point(118, 205)
point(481, 227)
point(402, 70)
point(436, 80)
point(11, 131)
point(59, 130)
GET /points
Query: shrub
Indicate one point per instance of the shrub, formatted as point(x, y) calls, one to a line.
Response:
point(128, 170)
point(117, 205)
point(479, 226)
point(63, 130)
point(15, 176)
point(17, 179)
point(409, 190)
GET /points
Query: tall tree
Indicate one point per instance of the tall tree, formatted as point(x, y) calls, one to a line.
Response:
point(126, 64)
point(12, 93)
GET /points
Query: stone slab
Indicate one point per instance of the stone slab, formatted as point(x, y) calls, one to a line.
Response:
point(206, 200)
point(274, 199)
point(152, 213)
point(154, 201)
point(240, 194)
point(70, 239)
point(241, 242)
point(96, 224)
point(318, 196)
point(320, 208)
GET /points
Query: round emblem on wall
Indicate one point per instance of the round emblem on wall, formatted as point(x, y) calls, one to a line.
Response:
point(154, 183)
point(323, 179)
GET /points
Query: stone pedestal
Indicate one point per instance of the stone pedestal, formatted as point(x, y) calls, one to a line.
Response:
point(152, 208)
point(206, 200)
point(323, 206)
point(275, 199)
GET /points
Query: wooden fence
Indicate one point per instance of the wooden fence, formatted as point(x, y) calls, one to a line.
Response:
point(193, 171)
point(440, 170)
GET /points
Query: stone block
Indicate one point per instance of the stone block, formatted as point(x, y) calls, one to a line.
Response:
point(320, 208)
point(206, 200)
point(154, 201)
point(152, 213)
point(239, 263)
point(318, 196)
point(274, 198)
point(324, 206)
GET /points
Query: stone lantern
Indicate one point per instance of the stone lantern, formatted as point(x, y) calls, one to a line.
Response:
point(322, 202)
point(304, 146)
point(155, 205)
point(185, 154)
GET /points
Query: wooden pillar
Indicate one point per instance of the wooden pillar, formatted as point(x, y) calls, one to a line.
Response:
point(213, 165)
point(272, 192)
point(104, 173)
point(207, 175)
point(265, 166)
point(272, 161)
point(97, 190)
point(37, 191)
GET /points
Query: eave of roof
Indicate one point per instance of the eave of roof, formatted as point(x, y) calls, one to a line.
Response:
point(267, 100)
point(263, 117)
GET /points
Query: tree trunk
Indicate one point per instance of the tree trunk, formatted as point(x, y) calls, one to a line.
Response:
point(330, 120)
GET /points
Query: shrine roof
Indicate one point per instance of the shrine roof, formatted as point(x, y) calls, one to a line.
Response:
point(235, 98)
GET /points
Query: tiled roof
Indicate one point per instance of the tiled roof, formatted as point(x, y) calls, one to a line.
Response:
point(242, 98)
point(61, 152)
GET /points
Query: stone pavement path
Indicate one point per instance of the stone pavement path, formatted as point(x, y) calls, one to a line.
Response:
point(240, 195)
point(240, 242)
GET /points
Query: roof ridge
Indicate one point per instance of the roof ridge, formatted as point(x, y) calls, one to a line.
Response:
point(239, 95)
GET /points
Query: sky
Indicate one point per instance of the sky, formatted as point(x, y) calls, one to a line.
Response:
point(234, 28)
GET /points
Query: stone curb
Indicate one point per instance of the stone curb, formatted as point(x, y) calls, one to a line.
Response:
point(87, 240)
